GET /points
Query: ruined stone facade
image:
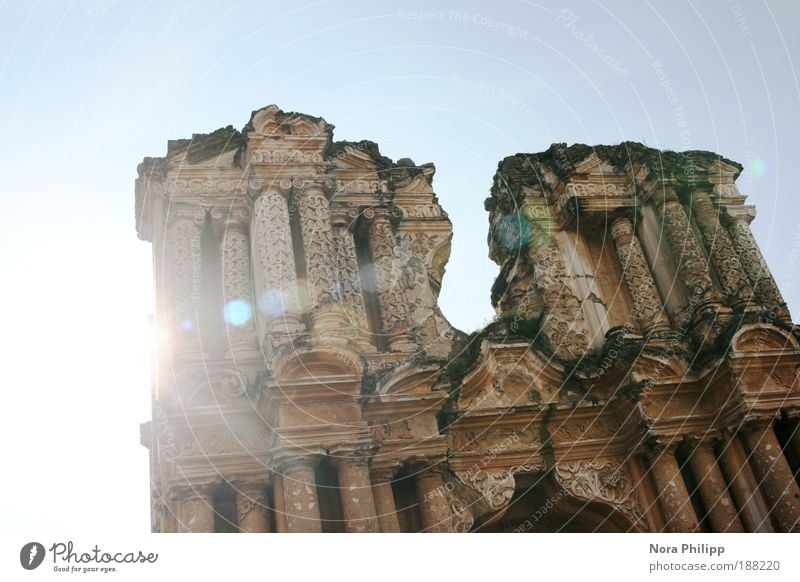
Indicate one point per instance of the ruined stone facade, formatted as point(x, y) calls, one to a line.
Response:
point(641, 374)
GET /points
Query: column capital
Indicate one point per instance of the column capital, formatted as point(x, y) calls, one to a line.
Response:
point(246, 483)
point(384, 473)
point(352, 459)
point(729, 191)
point(755, 426)
point(665, 192)
point(345, 217)
point(287, 464)
point(185, 490)
point(656, 446)
point(738, 213)
point(256, 187)
point(703, 441)
point(375, 215)
point(178, 212)
point(230, 218)
point(622, 227)
point(324, 185)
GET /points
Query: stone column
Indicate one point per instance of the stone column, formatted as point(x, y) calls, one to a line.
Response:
point(775, 477)
point(274, 275)
point(392, 302)
point(689, 258)
point(433, 508)
point(300, 496)
point(734, 282)
point(752, 261)
point(237, 286)
point(252, 511)
point(355, 491)
point(280, 505)
point(320, 256)
point(743, 488)
point(719, 505)
point(196, 513)
point(795, 438)
point(183, 268)
point(384, 501)
point(679, 515)
point(647, 307)
point(349, 277)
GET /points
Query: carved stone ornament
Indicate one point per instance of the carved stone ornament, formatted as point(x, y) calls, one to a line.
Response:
point(220, 443)
point(251, 501)
point(686, 251)
point(647, 307)
point(732, 278)
point(496, 487)
point(462, 517)
point(600, 480)
point(564, 325)
point(315, 225)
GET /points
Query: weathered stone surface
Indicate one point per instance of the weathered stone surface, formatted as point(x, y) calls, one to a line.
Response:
point(310, 382)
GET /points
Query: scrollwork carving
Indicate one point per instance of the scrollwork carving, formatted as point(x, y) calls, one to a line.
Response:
point(205, 187)
point(496, 488)
point(686, 252)
point(462, 517)
point(647, 307)
point(184, 268)
point(564, 326)
point(732, 278)
point(348, 276)
point(273, 256)
point(315, 225)
point(237, 286)
point(203, 444)
point(387, 263)
point(764, 286)
point(600, 480)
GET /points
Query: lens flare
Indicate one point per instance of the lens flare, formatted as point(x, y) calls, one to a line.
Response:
point(513, 231)
point(187, 324)
point(238, 312)
point(758, 168)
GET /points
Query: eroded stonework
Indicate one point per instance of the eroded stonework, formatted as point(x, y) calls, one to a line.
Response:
point(641, 374)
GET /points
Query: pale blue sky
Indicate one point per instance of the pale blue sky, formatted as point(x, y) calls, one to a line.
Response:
point(90, 87)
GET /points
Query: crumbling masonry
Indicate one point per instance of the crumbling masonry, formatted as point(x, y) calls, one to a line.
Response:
point(641, 374)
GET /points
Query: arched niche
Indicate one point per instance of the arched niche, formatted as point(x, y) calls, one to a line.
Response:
point(763, 337)
point(311, 364)
point(409, 381)
point(541, 505)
